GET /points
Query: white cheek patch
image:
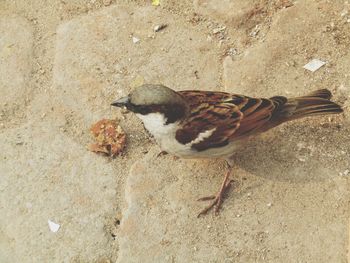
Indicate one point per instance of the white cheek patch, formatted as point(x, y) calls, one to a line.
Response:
point(152, 118)
point(155, 123)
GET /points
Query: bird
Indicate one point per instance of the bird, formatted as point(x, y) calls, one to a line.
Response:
point(213, 124)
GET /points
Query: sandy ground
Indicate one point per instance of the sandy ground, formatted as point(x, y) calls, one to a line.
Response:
point(63, 62)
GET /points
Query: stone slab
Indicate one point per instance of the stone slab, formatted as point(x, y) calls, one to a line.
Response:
point(45, 175)
point(16, 41)
point(258, 221)
point(97, 61)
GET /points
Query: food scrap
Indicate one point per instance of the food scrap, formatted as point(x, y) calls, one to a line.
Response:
point(110, 137)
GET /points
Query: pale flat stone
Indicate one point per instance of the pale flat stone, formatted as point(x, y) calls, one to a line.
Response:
point(50, 176)
point(16, 40)
point(96, 60)
point(160, 225)
point(276, 64)
point(224, 10)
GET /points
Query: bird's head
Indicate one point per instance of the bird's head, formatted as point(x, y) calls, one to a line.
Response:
point(156, 99)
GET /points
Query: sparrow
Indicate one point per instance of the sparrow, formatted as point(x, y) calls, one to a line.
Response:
point(213, 124)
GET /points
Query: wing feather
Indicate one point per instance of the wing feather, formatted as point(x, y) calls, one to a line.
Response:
point(228, 116)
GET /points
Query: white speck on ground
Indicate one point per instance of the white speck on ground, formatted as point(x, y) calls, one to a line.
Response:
point(314, 65)
point(54, 227)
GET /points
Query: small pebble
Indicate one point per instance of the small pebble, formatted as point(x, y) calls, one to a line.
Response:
point(125, 111)
point(344, 13)
point(54, 227)
point(232, 51)
point(301, 159)
point(135, 40)
point(158, 28)
point(269, 204)
point(107, 2)
point(219, 29)
point(255, 31)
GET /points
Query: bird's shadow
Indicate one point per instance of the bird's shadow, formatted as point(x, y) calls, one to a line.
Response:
point(292, 154)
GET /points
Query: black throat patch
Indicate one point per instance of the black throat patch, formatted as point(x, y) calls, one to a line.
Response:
point(172, 113)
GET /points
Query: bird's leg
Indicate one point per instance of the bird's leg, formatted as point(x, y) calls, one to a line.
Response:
point(219, 197)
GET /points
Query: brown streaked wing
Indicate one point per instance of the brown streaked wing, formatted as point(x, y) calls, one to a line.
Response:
point(222, 117)
point(233, 116)
point(258, 115)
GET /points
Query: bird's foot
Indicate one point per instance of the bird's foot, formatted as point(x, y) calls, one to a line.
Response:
point(217, 199)
point(162, 153)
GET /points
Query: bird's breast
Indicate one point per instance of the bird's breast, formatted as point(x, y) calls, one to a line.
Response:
point(165, 135)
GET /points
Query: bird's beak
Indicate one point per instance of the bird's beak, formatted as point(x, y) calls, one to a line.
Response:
point(122, 102)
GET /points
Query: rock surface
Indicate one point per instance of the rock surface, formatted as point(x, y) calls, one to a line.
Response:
point(16, 59)
point(56, 181)
point(63, 62)
point(224, 10)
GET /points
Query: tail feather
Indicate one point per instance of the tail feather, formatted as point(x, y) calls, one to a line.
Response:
point(321, 93)
point(315, 103)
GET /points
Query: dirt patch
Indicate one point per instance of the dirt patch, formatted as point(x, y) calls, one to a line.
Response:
point(64, 62)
